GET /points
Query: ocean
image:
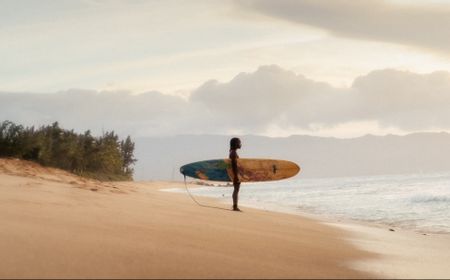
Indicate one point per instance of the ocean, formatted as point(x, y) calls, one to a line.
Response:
point(419, 202)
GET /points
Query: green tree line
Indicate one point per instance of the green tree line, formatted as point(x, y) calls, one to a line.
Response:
point(104, 158)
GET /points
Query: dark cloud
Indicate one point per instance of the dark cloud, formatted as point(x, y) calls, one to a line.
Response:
point(249, 103)
point(417, 25)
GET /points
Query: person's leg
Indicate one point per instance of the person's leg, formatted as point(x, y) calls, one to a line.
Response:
point(235, 196)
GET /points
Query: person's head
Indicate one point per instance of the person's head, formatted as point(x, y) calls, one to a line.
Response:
point(235, 143)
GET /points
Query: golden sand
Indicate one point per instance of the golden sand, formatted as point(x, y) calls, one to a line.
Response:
point(57, 225)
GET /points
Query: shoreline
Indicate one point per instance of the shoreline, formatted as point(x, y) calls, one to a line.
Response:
point(326, 218)
point(401, 252)
point(57, 225)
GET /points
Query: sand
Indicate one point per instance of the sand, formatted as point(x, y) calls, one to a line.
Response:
point(402, 253)
point(57, 225)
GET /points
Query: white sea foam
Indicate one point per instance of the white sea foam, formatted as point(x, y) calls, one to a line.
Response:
point(420, 202)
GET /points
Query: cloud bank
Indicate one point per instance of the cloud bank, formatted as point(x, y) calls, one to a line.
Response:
point(248, 104)
point(426, 26)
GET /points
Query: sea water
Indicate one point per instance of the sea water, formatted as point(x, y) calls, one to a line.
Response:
point(420, 202)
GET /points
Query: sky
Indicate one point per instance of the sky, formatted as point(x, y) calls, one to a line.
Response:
point(277, 68)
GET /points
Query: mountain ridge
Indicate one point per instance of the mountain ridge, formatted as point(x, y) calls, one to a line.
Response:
point(159, 158)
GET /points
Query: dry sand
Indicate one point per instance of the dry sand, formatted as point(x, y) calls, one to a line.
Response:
point(54, 224)
point(57, 225)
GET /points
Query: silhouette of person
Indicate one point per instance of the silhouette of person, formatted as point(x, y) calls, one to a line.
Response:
point(235, 143)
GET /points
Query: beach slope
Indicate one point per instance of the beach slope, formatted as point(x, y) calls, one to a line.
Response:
point(57, 225)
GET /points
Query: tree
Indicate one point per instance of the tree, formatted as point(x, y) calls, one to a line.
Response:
point(10, 139)
point(102, 157)
point(127, 150)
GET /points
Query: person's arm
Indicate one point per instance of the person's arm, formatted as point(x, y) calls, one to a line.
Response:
point(234, 168)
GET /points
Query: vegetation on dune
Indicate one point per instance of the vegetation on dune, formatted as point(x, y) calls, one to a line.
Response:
point(104, 158)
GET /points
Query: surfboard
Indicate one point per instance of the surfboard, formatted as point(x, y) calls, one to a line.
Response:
point(249, 170)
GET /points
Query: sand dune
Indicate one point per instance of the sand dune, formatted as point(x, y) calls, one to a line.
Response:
point(57, 225)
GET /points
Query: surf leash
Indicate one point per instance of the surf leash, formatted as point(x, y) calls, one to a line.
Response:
point(195, 200)
point(189, 193)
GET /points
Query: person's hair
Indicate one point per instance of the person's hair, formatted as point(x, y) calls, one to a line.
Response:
point(234, 143)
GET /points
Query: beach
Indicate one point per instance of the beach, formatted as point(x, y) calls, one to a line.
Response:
point(58, 225)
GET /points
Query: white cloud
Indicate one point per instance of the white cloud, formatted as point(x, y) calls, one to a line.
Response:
point(407, 100)
point(123, 112)
point(272, 95)
point(270, 99)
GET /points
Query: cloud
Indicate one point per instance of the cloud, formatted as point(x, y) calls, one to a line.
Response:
point(249, 103)
point(273, 96)
point(404, 99)
point(150, 112)
point(425, 26)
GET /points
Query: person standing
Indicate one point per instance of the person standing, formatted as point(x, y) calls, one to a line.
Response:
point(235, 144)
